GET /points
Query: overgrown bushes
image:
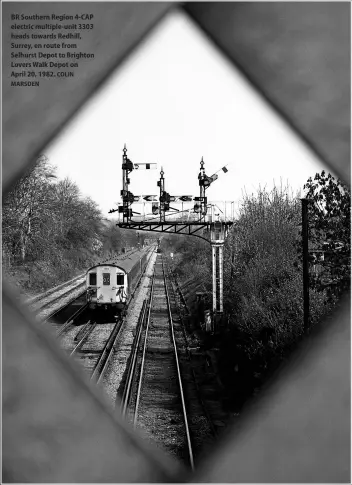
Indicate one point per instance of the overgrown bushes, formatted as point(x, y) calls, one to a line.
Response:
point(263, 282)
point(263, 297)
point(263, 277)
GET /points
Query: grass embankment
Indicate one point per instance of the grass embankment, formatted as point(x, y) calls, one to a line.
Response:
point(40, 276)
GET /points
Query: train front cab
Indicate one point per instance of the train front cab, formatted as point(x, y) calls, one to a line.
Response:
point(107, 287)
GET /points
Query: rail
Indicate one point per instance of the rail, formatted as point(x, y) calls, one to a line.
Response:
point(143, 354)
point(134, 353)
point(188, 352)
point(141, 349)
point(62, 295)
point(58, 310)
point(105, 356)
point(33, 299)
point(189, 443)
point(84, 334)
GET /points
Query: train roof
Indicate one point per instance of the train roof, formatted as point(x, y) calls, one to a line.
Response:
point(124, 261)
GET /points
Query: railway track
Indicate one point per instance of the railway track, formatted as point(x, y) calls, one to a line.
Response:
point(65, 310)
point(93, 344)
point(34, 299)
point(160, 393)
point(87, 337)
point(72, 312)
point(41, 307)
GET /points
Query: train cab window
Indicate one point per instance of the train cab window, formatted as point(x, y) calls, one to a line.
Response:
point(120, 279)
point(93, 279)
point(106, 278)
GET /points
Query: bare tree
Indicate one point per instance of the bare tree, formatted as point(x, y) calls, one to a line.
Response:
point(24, 206)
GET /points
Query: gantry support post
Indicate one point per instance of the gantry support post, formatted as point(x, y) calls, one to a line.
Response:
point(213, 247)
point(217, 239)
point(221, 278)
point(218, 278)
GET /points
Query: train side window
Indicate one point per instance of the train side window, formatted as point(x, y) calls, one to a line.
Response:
point(120, 279)
point(106, 278)
point(93, 279)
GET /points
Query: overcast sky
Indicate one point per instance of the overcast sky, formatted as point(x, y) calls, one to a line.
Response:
point(175, 100)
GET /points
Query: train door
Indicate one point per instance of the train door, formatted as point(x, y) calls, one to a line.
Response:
point(121, 283)
point(107, 283)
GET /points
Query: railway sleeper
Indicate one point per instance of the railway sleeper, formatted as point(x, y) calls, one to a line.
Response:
point(159, 350)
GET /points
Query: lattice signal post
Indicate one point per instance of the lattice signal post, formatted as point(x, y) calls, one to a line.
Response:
point(203, 218)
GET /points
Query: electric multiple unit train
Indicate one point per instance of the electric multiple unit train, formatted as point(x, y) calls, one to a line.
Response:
point(110, 284)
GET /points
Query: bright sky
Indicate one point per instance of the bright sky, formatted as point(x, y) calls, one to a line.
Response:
point(175, 100)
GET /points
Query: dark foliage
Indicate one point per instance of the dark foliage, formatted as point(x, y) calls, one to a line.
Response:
point(329, 233)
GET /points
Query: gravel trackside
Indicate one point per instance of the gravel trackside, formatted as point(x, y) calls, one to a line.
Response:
point(114, 374)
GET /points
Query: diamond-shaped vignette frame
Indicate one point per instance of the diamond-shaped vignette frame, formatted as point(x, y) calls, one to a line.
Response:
point(225, 467)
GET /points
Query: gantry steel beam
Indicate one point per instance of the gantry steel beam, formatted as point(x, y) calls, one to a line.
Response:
point(189, 229)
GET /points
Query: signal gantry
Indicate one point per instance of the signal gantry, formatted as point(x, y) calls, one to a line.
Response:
point(203, 218)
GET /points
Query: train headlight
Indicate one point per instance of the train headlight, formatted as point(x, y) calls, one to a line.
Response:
point(91, 293)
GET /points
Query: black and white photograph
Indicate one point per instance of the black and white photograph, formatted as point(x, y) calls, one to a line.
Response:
point(176, 242)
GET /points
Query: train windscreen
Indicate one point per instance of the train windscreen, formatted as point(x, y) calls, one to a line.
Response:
point(120, 279)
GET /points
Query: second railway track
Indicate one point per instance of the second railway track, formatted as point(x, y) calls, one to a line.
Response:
point(160, 394)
